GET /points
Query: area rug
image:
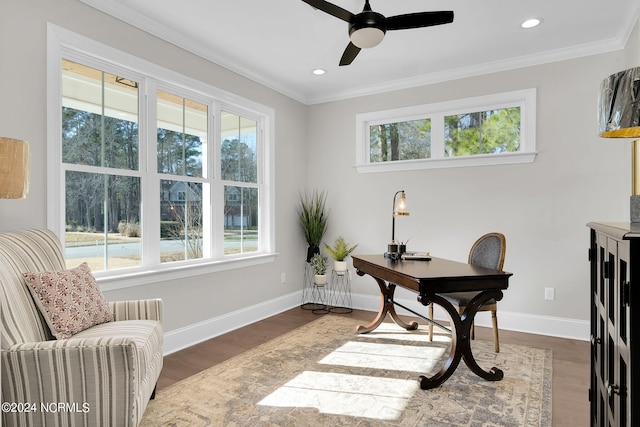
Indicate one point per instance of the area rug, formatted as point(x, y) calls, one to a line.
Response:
point(324, 374)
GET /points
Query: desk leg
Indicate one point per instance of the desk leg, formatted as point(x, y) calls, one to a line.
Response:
point(386, 306)
point(461, 340)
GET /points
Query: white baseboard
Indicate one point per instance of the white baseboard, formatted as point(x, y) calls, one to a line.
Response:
point(187, 336)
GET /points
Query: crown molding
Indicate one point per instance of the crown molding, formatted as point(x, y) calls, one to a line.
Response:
point(116, 10)
point(148, 25)
point(475, 70)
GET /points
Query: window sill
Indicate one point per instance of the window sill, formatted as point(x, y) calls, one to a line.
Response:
point(129, 280)
point(450, 162)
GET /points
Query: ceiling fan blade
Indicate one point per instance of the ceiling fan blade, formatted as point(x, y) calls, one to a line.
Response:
point(349, 54)
point(331, 9)
point(419, 20)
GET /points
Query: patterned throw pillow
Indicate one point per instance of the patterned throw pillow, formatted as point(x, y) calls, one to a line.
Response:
point(70, 300)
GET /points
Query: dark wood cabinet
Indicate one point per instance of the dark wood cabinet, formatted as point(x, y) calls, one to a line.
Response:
point(615, 292)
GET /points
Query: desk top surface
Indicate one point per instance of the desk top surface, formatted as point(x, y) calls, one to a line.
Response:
point(438, 274)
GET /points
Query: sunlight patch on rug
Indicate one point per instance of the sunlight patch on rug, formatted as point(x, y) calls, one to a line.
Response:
point(364, 396)
point(385, 356)
point(391, 331)
point(343, 394)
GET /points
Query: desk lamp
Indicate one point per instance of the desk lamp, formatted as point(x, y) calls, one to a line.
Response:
point(619, 117)
point(399, 209)
point(14, 168)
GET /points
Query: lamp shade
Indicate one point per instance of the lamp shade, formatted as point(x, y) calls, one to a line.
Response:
point(14, 168)
point(618, 107)
point(400, 207)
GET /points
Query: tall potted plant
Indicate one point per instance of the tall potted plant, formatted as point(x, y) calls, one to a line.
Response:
point(313, 217)
point(339, 252)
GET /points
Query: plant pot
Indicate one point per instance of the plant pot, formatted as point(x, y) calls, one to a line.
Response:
point(311, 251)
point(340, 267)
point(320, 279)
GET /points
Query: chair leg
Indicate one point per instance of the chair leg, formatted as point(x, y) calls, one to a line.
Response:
point(496, 340)
point(153, 393)
point(431, 324)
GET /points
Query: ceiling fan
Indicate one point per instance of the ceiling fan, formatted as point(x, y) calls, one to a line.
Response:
point(367, 28)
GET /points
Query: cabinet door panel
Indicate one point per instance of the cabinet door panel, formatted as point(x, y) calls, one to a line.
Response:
point(623, 379)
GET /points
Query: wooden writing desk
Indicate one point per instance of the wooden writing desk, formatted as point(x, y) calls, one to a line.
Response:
point(428, 279)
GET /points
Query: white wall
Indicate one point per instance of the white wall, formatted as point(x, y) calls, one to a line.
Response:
point(23, 27)
point(542, 207)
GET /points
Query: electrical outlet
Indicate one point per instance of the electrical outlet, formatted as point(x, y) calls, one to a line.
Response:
point(283, 278)
point(549, 294)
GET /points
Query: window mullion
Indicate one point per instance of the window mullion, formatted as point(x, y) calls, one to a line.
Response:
point(437, 136)
point(217, 187)
point(151, 181)
point(208, 189)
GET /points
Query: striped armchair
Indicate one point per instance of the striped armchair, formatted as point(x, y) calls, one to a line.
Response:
point(102, 376)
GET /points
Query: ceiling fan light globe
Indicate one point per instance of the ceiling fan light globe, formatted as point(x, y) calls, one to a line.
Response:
point(367, 37)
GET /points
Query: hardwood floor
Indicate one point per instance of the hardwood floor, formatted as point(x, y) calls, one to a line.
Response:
point(570, 358)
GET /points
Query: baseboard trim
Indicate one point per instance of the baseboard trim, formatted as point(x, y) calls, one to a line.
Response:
point(187, 336)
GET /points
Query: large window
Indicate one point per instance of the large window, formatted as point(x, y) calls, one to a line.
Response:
point(487, 130)
point(152, 172)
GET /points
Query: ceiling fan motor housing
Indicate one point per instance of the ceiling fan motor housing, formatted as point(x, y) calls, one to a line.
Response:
point(367, 29)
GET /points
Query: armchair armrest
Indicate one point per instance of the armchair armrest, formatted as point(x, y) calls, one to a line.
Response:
point(146, 309)
point(81, 372)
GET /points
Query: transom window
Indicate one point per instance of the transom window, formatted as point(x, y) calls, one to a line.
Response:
point(155, 175)
point(486, 130)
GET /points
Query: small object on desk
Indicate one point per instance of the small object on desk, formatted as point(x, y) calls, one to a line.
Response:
point(417, 256)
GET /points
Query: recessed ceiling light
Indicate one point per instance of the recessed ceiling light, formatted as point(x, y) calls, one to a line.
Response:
point(530, 23)
point(319, 71)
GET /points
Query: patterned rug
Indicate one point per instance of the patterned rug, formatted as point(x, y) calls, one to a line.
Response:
point(324, 373)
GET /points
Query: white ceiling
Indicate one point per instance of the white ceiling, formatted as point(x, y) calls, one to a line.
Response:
point(279, 42)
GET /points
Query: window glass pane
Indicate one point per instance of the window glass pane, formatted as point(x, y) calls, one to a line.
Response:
point(485, 132)
point(400, 141)
point(102, 220)
point(181, 219)
point(240, 219)
point(99, 118)
point(182, 131)
point(239, 148)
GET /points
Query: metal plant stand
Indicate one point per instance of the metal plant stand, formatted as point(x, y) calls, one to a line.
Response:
point(320, 296)
point(340, 293)
point(314, 297)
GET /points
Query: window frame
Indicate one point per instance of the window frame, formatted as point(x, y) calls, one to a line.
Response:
point(62, 43)
point(436, 112)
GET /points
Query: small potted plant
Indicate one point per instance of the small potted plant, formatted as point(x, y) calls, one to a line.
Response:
point(339, 252)
point(319, 265)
